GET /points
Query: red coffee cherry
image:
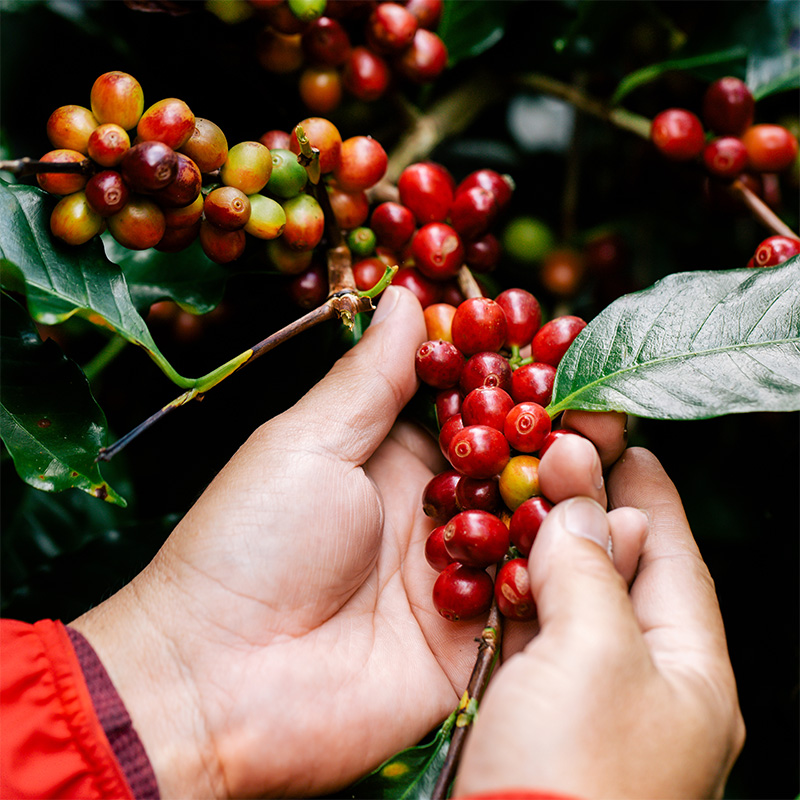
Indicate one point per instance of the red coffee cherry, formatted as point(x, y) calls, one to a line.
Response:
point(149, 166)
point(554, 338)
point(533, 382)
point(775, 250)
point(482, 494)
point(770, 148)
point(393, 224)
point(526, 427)
point(424, 59)
point(728, 106)
point(561, 272)
point(483, 254)
point(438, 251)
point(185, 189)
point(512, 590)
point(476, 538)
point(320, 89)
point(725, 157)
point(63, 183)
point(424, 289)
point(74, 221)
point(485, 369)
point(170, 121)
point(487, 405)
point(227, 208)
point(427, 12)
point(366, 75)
point(526, 521)
point(479, 451)
point(176, 239)
point(309, 289)
point(207, 145)
point(523, 316)
point(324, 136)
point(283, 258)
point(438, 364)
point(367, 272)
point(439, 321)
point(678, 134)
point(473, 211)
point(501, 186)
point(479, 325)
point(278, 52)
point(185, 216)
point(449, 429)
point(553, 436)
point(107, 193)
point(350, 209)
point(219, 245)
point(69, 128)
point(427, 190)
point(326, 42)
point(138, 225)
point(390, 28)
point(108, 143)
point(439, 496)
point(462, 592)
point(362, 163)
point(117, 97)
point(435, 553)
point(448, 404)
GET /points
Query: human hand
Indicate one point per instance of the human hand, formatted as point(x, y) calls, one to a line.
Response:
point(283, 641)
point(620, 695)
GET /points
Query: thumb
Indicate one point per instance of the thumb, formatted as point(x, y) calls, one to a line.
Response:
point(581, 599)
point(352, 409)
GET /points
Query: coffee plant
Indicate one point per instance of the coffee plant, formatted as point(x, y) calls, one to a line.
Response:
point(596, 205)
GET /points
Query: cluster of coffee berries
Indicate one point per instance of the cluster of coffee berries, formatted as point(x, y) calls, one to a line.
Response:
point(493, 429)
point(736, 145)
point(774, 250)
point(351, 46)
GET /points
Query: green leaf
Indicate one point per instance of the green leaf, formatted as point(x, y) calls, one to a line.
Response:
point(694, 345)
point(782, 83)
point(60, 280)
point(49, 421)
point(773, 62)
point(410, 774)
point(729, 56)
point(189, 277)
point(469, 29)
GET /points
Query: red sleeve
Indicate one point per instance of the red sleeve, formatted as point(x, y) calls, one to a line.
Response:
point(516, 794)
point(53, 744)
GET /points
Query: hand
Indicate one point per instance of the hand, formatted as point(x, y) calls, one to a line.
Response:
point(283, 641)
point(620, 695)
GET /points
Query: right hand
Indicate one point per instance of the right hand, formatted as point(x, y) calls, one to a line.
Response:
point(620, 694)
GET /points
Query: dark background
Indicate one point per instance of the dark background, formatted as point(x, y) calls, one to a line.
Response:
point(738, 475)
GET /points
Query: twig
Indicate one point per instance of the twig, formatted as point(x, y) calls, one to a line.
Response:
point(32, 166)
point(760, 210)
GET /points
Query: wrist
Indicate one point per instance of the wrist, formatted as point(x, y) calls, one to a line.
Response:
point(155, 685)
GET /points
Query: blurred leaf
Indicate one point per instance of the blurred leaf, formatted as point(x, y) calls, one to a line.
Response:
point(731, 55)
point(694, 345)
point(49, 421)
point(188, 277)
point(773, 62)
point(59, 280)
point(782, 83)
point(469, 29)
point(409, 775)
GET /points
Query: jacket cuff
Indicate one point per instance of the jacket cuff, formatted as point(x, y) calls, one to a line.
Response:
point(115, 720)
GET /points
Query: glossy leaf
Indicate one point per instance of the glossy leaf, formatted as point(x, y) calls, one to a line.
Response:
point(59, 280)
point(409, 775)
point(188, 277)
point(469, 29)
point(773, 61)
point(49, 421)
point(694, 345)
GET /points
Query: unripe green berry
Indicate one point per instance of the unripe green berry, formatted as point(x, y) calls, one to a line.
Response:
point(248, 167)
point(74, 221)
point(527, 239)
point(267, 217)
point(307, 10)
point(288, 177)
point(361, 242)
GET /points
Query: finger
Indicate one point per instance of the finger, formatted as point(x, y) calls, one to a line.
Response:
point(607, 430)
point(353, 408)
point(673, 593)
point(628, 532)
point(571, 467)
point(419, 442)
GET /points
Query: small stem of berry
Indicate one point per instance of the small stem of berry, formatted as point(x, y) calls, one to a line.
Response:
point(467, 283)
point(488, 650)
point(761, 211)
point(113, 347)
point(308, 156)
point(33, 166)
point(385, 280)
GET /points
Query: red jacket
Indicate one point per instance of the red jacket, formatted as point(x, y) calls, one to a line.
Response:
point(65, 732)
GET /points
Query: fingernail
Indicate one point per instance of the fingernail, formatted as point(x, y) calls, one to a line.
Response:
point(386, 305)
point(597, 474)
point(586, 519)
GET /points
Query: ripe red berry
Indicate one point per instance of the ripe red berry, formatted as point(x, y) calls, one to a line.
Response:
point(170, 121)
point(526, 521)
point(501, 186)
point(427, 12)
point(479, 325)
point(770, 148)
point(486, 405)
point(207, 145)
point(324, 136)
point(450, 428)
point(227, 208)
point(185, 188)
point(435, 553)
point(219, 245)
point(310, 288)
point(326, 42)
point(438, 251)
point(69, 128)
point(554, 338)
point(462, 592)
point(512, 590)
point(473, 211)
point(107, 144)
point(523, 316)
point(439, 496)
point(63, 183)
point(366, 75)
point(138, 225)
point(320, 89)
point(367, 272)
point(393, 224)
point(424, 59)
point(424, 289)
point(427, 190)
point(678, 134)
point(107, 193)
point(775, 250)
point(350, 209)
point(439, 364)
point(554, 436)
point(476, 538)
point(485, 369)
point(725, 157)
point(526, 426)
point(390, 28)
point(482, 494)
point(479, 451)
point(362, 163)
point(561, 272)
point(117, 97)
point(728, 106)
point(149, 166)
point(439, 321)
point(448, 404)
point(533, 382)
point(483, 254)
